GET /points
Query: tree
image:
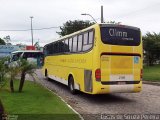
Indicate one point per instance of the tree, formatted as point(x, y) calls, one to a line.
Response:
point(26, 68)
point(7, 39)
point(2, 42)
point(73, 26)
point(151, 45)
point(13, 71)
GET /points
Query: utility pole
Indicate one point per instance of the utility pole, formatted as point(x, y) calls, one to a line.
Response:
point(31, 30)
point(102, 14)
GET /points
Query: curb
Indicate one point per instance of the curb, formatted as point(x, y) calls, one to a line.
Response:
point(64, 102)
point(151, 83)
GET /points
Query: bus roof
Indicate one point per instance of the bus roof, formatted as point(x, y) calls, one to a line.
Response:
point(92, 26)
point(74, 33)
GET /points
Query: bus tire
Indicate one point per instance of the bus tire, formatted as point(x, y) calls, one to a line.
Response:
point(46, 75)
point(71, 85)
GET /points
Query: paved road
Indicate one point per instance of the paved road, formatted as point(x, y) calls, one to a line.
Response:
point(93, 106)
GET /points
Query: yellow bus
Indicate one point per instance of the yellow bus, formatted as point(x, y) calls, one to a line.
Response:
point(103, 58)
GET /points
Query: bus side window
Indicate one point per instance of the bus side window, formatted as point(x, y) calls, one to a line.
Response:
point(74, 49)
point(87, 41)
point(91, 37)
point(66, 46)
point(49, 49)
point(52, 49)
point(45, 51)
point(80, 43)
point(70, 44)
point(55, 48)
point(61, 46)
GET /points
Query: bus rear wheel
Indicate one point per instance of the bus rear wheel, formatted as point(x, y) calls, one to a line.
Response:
point(71, 85)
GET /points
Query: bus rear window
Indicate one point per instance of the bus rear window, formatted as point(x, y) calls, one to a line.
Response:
point(117, 35)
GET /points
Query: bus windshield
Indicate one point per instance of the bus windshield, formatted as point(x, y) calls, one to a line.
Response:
point(120, 35)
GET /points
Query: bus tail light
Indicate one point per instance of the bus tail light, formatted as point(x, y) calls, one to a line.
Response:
point(141, 74)
point(98, 74)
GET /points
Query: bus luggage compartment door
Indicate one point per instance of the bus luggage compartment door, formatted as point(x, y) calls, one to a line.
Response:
point(120, 69)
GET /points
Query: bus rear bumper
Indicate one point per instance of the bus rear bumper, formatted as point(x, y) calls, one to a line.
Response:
point(124, 88)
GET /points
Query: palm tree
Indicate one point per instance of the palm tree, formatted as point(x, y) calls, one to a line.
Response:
point(13, 71)
point(3, 71)
point(26, 68)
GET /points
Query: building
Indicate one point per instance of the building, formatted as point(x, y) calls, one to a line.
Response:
point(5, 50)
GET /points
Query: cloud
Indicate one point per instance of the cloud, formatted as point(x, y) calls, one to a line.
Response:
point(15, 14)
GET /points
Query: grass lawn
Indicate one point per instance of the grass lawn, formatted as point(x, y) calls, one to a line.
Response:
point(151, 73)
point(35, 102)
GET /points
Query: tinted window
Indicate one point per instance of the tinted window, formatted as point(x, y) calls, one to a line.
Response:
point(87, 47)
point(88, 41)
point(49, 48)
point(32, 55)
point(45, 50)
point(77, 43)
point(70, 44)
point(61, 46)
point(91, 37)
point(74, 44)
point(80, 42)
point(66, 46)
point(55, 47)
point(120, 36)
point(85, 39)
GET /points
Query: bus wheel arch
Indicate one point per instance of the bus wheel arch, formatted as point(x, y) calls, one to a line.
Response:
point(71, 83)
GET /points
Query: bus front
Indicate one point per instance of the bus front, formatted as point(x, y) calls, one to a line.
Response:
point(120, 59)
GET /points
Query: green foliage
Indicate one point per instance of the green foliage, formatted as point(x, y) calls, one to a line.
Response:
point(151, 45)
point(73, 26)
point(2, 42)
point(35, 103)
point(151, 73)
point(13, 71)
point(3, 71)
point(20, 67)
point(26, 68)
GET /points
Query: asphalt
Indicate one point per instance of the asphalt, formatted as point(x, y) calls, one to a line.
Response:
point(95, 107)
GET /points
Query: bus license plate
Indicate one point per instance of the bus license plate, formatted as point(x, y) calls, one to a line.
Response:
point(121, 83)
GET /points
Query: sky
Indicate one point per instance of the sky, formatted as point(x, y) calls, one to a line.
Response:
point(15, 15)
